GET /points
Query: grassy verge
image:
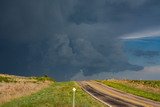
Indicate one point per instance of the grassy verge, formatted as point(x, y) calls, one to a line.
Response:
point(150, 83)
point(56, 95)
point(132, 90)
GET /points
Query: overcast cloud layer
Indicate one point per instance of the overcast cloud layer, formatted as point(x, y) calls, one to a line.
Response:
point(61, 38)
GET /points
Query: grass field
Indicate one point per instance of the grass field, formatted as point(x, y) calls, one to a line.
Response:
point(56, 95)
point(143, 88)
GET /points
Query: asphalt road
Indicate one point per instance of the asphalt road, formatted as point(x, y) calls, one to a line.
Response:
point(115, 98)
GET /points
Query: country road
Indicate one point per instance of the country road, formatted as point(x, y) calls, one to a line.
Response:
point(113, 97)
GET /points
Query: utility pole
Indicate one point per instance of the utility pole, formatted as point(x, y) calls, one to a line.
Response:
point(74, 90)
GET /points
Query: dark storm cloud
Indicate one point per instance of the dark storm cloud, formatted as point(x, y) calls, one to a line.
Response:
point(63, 37)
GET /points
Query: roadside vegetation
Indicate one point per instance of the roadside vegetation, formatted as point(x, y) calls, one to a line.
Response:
point(150, 83)
point(12, 78)
point(18, 91)
point(58, 94)
point(43, 78)
point(12, 87)
point(6, 79)
point(145, 88)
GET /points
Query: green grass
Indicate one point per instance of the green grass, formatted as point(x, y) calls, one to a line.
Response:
point(151, 83)
point(6, 79)
point(56, 95)
point(132, 90)
point(12, 79)
point(42, 79)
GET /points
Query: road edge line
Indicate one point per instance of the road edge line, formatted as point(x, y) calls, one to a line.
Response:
point(96, 97)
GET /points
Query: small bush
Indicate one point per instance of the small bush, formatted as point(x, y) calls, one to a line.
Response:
point(6, 79)
point(43, 79)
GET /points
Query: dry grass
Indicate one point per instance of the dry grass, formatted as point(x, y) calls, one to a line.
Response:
point(21, 86)
point(139, 85)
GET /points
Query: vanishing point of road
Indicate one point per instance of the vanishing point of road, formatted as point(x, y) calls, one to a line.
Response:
point(113, 97)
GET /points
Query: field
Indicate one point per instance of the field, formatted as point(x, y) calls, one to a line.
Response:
point(54, 94)
point(16, 91)
point(145, 88)
point(12, 87)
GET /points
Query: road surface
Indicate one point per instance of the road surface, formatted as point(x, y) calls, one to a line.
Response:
point(113, 97)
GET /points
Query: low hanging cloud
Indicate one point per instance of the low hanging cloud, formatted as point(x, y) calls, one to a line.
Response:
point(66, 37)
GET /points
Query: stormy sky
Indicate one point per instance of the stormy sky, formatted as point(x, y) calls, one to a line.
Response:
point(62, 38)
